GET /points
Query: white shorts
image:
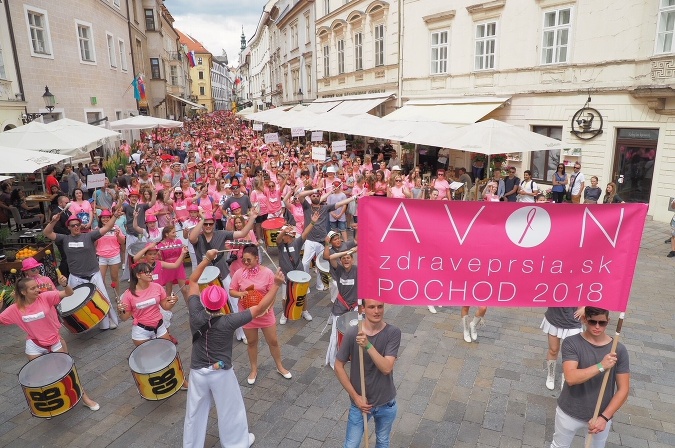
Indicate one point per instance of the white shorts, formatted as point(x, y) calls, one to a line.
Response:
point(140, 334)
point(32, 349)
point(109, 261)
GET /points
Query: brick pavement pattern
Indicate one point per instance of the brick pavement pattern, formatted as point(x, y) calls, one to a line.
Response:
point(450, 393)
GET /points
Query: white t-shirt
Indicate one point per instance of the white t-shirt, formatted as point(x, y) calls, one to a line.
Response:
point(578, 180)
point(528, 187)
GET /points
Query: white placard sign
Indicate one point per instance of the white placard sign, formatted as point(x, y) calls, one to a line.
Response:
point(271, 138)
point(318, 153)
point(317, 136)
point(297, 132)
point(257, 126)
point(339, 145)
point(95, 180)
point(456, 185)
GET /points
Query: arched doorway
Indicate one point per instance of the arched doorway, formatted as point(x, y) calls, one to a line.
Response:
point(8, 127)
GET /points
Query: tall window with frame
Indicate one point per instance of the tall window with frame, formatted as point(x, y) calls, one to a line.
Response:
point(326, 7)
point(379, 45)
point(154, 68)
point(308, 71)
point(149, 20)
point(666, 29)
point(38, 33)
point(358, 51)
point(123, 54)
point(439, 52)
point(486, 42)
point(326, 61)
point(202, 90)
point(557, 27)
point(174, 75)
point(341, 56)
point(112, 57)
point(86, 42)
point(201, 75)
point(308, 29)
point(294, 36)
point(544, 163)
point(200, 61)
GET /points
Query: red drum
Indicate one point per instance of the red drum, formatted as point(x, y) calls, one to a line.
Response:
point(348, 319)
point(271, 228)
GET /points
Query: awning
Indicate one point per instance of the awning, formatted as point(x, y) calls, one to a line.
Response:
point(456, 111)
point(245, 112)
point(357, 107)
point(190, 103)
point(267, 115)
point(321, 107)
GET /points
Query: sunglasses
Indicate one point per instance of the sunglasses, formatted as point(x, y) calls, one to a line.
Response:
point(145, 272)
point(593, 322)
point(74, 226)
point(208, 224)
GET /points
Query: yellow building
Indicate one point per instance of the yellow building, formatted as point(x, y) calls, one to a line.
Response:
point(200, 74)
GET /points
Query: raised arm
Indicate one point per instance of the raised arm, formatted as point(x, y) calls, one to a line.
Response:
point(252, 215)
point(49, 228)
point(209, 256)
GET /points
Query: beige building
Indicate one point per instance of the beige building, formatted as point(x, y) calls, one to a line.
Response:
point(200, 74)
point(11, 99)
point(540, 62)
point(81, 52)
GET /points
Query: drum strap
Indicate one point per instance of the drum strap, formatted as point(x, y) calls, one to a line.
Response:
point(208, 247)
point(344, 303)
point(149, 328)
point(202, 331)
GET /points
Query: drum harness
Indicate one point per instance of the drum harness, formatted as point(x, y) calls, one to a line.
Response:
point(149, 328)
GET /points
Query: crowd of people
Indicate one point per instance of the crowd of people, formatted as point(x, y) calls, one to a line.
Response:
point(209, 191)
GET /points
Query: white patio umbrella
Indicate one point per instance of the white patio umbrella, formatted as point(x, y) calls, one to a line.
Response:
point(144, 122)
point(85, 137)
point(16, 161)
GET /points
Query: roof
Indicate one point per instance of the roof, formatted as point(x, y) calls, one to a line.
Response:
point(192, 43)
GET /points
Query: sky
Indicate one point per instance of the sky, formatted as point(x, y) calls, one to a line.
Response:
point(217, 23)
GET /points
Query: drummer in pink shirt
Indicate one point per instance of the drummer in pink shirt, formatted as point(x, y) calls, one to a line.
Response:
point(31, 269)
point(35, 313)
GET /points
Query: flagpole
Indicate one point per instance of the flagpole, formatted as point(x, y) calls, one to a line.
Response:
point(363, 377)
point(605, 378)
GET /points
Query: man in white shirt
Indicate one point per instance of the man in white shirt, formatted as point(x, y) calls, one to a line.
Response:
point(528, 189)
point(577, 183)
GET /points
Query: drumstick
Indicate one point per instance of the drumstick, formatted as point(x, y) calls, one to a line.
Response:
point(363, 377)
point(268, 256)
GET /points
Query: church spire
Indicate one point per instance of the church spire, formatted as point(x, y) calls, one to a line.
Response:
point(243, 39)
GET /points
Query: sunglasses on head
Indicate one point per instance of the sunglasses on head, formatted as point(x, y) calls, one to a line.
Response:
point(593, 322)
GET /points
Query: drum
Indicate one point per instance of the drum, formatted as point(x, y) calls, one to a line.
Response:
point(133, 250)
point(50, 384)
point(85, 309)
point(156, 368)
point(271, 229)
point(324, 270)
point(211, 276)
point(348, 319)
point(296, 291)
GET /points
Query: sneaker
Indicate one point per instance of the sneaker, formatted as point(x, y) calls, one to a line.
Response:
point(113, 326)
point(321, 287)
point(251, 439)
point(282, 320)
point(306, 316)
point(550, 375)
point(465, 329)
point(432, 310)
point(671, 254)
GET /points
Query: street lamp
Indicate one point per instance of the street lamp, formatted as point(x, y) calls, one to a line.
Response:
point(50, 100)
point(300, 95)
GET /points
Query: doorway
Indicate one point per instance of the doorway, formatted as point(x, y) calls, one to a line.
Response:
point(634, 157)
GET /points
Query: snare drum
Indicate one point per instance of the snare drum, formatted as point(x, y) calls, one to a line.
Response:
point(211, 276)
point(296, 292)
point(324, 270)
point(348, 319)
point(50, 384)
point(83, 310)
point(156, 368)
point(271, 228)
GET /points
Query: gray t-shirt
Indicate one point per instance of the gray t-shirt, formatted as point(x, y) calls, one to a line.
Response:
point(579, 401)
point(289, 255)
point(346, 285)
point(129, 214)
point(380, 388)
point(334, 199)
point(216, 345)
point(217, 242)
point(320, 229)
point(244, 201)
point(80, 252)
point(562, 318)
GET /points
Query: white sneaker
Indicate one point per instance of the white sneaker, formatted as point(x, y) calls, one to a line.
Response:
point(432, 310)
point(282, 320)
point(465, 329)
point(306, 316)
point(251, 439)
point(475, 323)
point(550, 375)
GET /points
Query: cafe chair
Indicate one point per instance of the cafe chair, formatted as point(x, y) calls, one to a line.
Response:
point(19, 221)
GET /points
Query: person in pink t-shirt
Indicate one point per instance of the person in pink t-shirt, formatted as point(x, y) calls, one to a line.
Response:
point(31, 269)
point(35, 313)
point(261, 279)
point(109, 248)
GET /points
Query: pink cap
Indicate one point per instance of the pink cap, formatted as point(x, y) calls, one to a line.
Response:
point(151, 218)
point(213, 297)
point(29, 263)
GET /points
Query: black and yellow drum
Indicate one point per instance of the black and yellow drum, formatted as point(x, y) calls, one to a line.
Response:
point(156, 368)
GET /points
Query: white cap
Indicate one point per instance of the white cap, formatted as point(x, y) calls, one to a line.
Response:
point(396, 168)
point(331, 169)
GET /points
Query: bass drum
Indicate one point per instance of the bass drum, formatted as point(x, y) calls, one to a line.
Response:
point(51, 384)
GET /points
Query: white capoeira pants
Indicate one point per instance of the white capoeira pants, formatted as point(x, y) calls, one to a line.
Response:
point(333, 289)
point(131, 239)
point(97, 280)
point(331, 353)
point(234, 304)
point(222, 387)
point(312, 249)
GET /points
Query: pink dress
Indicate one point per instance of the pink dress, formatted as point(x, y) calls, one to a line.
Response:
point(262, 282)
point(169, 256)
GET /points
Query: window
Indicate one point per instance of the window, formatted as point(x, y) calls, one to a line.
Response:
point(486, 39)
point(326, 61)
point(200, 61)
point(439, 52)
point(308, 70)
point(664, 36)
point(116, 3)
point(3, 74)
point(358, 51)
point(326, 7)
point(38, 27)
point(308, 29)
point(154, 68)
point(295, 77)
point(379, 45)
point(202, 90)
point(294, 36)
point(149, 20)
point(544, 163)
point(123, 55)
point(86, 41)
point(341, 56)
point(201, 75)
point(112, 57)
point(174, 75)
point(556, 36)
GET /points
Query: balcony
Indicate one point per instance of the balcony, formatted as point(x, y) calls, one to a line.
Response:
point(174, 89)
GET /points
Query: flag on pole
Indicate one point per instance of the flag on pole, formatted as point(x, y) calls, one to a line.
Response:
point(191, 59)
point(141, 87)
point(137, 93)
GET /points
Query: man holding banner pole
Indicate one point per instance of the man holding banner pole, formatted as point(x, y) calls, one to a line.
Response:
point(585, 357)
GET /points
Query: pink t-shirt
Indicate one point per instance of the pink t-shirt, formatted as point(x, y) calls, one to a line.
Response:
point(274, 201)
point(144, 306)
point(39, 319)
point(299, 216)
point(81, 210)
point(442, 186)
point(108, 246)
point(180, 208)
point(261, 199)
point(397, 192)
